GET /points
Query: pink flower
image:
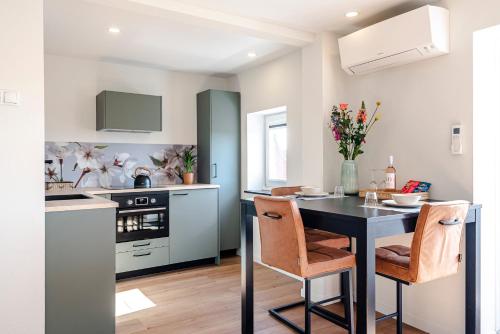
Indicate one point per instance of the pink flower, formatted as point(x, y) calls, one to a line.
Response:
point(343, 106)
point(361, 116)
point(336, 134)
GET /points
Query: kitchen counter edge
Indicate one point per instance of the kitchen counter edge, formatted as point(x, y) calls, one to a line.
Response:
point(97, 202)
point(101, 191)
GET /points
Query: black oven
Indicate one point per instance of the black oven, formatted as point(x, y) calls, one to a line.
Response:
point(141, 216)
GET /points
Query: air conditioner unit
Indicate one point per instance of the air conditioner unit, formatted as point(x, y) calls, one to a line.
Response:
point(419, 34)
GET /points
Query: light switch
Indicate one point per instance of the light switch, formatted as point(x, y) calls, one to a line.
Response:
point(11, 97)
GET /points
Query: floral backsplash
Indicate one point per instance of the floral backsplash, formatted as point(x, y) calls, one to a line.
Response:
point(113, 165)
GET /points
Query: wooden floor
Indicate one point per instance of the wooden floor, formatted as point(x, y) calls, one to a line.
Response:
point(207, 300)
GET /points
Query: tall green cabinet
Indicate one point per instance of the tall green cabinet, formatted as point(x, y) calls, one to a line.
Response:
point(219, 157)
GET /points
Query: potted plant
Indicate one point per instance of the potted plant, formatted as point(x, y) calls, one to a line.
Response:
point(350, 132)
point(189, 161)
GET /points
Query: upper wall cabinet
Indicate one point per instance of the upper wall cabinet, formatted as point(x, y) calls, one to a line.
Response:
point(127, 112)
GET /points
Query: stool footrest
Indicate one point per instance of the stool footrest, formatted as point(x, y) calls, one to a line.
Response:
point(315, 308)
point(387, 316)
point(330, 316)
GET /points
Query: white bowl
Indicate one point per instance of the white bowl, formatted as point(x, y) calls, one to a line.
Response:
point(406, 199)
point(308, 190)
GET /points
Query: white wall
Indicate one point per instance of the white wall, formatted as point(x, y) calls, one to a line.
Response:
point(274, 84)
point(22, 282)
point(420, 102)
point(71, 85)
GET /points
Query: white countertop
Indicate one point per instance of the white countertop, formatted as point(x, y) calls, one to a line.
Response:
point(94, 202)
point(97, 202)
point(100, 191)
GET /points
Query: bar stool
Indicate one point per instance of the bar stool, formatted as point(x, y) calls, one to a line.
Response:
point(283, 246)
point(434, 252)
point(314, 236)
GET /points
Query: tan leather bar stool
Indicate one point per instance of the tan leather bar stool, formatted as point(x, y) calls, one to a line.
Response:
point(320, 238)
point(434, 252)
point(283, 246)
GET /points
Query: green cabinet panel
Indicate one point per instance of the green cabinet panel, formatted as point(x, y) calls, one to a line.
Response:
point(106, 196)
point(142, 259)
point(219, 158)
point(194, 225)
point(117, 111)
point(80, 271)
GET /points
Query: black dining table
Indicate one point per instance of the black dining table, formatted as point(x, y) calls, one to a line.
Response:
point(348, 216)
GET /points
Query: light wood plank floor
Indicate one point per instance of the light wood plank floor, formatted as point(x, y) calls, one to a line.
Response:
point(207, 300)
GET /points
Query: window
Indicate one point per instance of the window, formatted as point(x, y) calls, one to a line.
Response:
point(276, 149)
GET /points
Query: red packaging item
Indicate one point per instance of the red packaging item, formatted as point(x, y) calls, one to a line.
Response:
point(410, 186)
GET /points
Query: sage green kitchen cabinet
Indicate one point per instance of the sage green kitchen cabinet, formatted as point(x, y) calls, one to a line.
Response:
point(219, 157)
point(106, 196)
point(194, 225)
point(80, 271)
point(117, 111)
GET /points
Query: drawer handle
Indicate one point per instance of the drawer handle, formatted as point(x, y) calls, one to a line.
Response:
point(183, 194)
point(215, 171)
point(143, 254)
point(142, 245)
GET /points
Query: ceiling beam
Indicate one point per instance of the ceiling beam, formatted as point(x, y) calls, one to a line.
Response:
point(197, 15)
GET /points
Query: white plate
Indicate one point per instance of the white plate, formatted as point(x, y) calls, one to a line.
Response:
point(391, 202)
point(322, 194)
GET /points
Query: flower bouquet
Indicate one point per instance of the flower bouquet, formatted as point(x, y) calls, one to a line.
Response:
point(349, 131)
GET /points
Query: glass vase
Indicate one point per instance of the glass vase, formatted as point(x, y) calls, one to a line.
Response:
point(349, 177)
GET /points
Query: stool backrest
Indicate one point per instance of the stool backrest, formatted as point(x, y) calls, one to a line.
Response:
point(285, 191)
point(435, 250)
point(283, 243)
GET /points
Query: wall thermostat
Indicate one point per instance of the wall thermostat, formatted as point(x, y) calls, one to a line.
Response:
point(456, 139)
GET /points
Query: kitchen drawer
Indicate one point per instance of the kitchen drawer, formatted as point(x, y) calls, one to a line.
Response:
point(132, 246)
point(142, 259)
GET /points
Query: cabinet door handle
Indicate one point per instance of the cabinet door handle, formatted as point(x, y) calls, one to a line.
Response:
point(142, 245)
point(181, 194)
point(215, 171)
point(142, 254)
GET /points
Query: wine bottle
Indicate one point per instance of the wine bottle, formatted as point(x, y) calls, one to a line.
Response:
point(390, 175)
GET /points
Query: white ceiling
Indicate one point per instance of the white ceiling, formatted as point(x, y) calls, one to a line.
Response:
point(313, 15)
point(207, 36)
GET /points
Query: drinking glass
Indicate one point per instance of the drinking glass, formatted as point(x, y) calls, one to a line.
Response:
point(338, 192)
point(371, 198)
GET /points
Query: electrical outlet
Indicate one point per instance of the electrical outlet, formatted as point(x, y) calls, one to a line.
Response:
point(10, 97)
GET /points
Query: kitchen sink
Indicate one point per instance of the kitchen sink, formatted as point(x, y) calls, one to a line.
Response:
point(66, 197)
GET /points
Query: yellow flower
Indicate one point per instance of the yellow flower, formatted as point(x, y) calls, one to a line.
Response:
point(378, 103)
point(377, 116)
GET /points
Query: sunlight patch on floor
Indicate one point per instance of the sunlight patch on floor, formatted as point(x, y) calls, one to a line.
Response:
point(132, 301)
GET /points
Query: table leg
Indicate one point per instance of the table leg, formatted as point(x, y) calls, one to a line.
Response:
point(365, 284)
point(473, 276)
point(246, 271)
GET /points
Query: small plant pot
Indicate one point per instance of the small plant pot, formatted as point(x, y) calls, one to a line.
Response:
point(188, 178)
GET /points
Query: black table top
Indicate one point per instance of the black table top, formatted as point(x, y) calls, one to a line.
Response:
point(349, 207)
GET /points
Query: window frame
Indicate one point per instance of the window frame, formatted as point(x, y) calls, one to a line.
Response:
point(270, 121)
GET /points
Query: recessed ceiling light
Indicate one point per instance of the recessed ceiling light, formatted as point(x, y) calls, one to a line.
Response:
point(114, 30)
point(252, 54)
point(351, 14)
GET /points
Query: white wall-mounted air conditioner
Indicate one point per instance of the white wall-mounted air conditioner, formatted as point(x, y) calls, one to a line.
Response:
point(419, 34)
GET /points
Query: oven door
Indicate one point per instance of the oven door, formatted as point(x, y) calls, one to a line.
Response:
point(139, 224)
